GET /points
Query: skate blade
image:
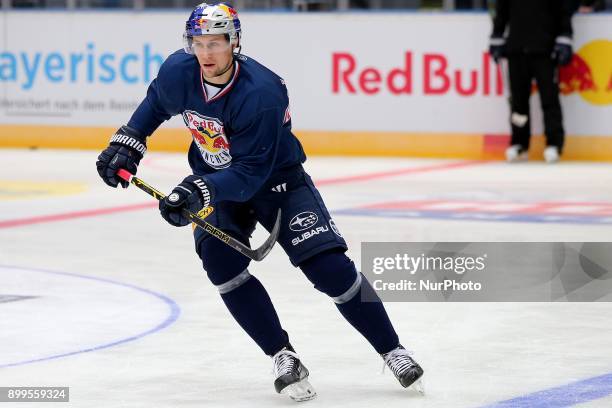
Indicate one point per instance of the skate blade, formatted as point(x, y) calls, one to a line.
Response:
point(418, 386)
point(300, 391)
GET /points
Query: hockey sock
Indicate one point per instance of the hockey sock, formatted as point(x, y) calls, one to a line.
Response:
point(253, 310)
point(244, 296)
point(334, 274)
point(370, 319)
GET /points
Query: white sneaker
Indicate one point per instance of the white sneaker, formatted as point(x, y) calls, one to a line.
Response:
point(516, 153)
point(551, 154)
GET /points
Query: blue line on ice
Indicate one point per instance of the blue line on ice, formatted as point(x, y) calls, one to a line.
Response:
point(563, 396)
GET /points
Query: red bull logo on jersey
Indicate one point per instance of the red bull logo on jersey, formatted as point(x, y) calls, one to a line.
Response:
point(209, 135)
point(590, 73)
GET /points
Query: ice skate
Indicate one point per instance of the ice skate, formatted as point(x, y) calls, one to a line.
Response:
point(292, 376)
point(515, 154)
point(405, 369)
point(551, 154)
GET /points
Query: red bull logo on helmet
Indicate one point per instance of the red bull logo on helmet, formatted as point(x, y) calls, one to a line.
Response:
point(209, 136)
point(590, 73)
point(202, 24)
point(230, 11)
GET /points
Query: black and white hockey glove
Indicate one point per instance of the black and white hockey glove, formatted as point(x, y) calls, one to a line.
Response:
point(193, 194)
point(125, 151)
point(562, 51)
point(497, 48)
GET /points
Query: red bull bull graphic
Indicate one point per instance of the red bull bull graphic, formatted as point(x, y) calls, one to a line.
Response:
point(576, 77)
point(590, 73)
point(209, 135)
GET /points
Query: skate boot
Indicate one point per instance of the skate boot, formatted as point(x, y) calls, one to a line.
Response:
point(515, 154)
point(405, 369)
point(291, 375)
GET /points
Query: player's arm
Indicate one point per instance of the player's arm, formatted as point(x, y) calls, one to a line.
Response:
point(129, 143)
point(497, 42)
point(253, 148)
point(501, 17)
point(562, 51)
point(164, 99)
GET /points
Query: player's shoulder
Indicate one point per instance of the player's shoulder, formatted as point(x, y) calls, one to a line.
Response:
point(260, 84)
point(178, 64)
point(254, 67)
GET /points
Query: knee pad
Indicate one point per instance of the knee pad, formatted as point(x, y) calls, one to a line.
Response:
point(334, 274)
point(225, 267)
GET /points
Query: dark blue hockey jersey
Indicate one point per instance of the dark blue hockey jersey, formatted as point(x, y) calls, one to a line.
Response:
point(240, 136)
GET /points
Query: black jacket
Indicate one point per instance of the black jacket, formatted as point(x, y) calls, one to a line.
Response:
point(532, 25)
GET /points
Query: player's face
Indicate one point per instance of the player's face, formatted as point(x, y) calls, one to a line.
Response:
point(214, 53)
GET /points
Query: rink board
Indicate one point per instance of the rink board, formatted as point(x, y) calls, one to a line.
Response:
point(351, 92)
point(387, 144)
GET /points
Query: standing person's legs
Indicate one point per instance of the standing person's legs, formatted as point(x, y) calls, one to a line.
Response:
point(546, 75)
point(520, 91)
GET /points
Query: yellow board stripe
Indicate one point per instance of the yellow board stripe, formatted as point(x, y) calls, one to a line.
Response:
point(66, 137)
point(391, 144)
point(397, 144)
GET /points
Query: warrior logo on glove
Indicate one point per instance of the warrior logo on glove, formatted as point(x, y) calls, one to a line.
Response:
point(125, 151)
point(193, 194)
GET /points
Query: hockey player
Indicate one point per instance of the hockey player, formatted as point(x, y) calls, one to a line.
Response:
point(247, 164)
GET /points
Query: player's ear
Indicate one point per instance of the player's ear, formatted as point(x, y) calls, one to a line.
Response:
point(235, 42)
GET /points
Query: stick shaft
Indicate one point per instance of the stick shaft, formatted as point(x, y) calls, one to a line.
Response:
point(257, 254)
point(211, 229)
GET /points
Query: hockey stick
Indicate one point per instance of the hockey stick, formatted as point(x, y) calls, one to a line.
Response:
point(255, 254)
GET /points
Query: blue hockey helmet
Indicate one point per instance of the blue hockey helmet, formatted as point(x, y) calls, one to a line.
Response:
point(219, 18)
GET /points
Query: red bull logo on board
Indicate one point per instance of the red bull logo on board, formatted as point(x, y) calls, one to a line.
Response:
point(590, 73)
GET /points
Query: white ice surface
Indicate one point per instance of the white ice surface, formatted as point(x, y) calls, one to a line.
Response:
point(473, 353)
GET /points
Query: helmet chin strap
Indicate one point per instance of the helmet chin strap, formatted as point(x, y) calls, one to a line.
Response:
point(229, 66)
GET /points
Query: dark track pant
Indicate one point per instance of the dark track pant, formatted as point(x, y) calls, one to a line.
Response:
point(523, 69)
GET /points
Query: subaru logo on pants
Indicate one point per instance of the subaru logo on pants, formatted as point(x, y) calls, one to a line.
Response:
point(303, 221)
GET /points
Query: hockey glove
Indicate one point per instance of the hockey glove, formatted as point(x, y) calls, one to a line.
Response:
point(497, 48)
point(125, 151)
point(192, 194)
point(562, 51)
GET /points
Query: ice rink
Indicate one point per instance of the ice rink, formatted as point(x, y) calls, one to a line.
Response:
point(98, 293)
